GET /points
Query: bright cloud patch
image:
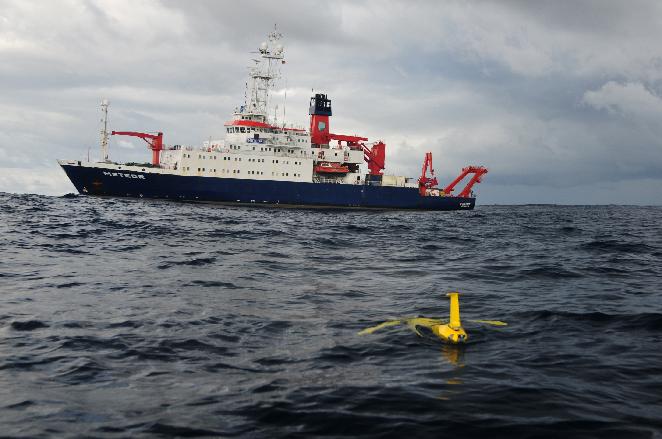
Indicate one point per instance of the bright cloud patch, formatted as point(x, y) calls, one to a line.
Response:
point(632, 99)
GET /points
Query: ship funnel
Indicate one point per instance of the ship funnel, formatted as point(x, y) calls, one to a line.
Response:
point(320, 111)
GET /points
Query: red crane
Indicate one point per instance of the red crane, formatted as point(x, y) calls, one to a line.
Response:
point(478, 172)
point(376, 157)
point(425, 182)
point(154, 141)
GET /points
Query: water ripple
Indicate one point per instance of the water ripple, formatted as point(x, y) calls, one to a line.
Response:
point(123, 318)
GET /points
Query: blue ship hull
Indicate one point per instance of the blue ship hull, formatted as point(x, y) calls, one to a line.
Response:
point(131, 183)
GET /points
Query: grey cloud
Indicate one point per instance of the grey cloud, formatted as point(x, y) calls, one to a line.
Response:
point(560, 100)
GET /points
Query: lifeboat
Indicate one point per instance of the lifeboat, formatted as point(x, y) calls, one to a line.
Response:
point(331, 168)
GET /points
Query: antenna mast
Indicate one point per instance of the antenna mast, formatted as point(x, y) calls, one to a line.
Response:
point(261, 77)
point(104, 130)
point(285, 104)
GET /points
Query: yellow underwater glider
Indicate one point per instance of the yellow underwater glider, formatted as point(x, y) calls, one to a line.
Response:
point(450, 330)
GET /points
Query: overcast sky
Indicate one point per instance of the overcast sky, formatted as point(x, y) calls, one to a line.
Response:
point(561, 100)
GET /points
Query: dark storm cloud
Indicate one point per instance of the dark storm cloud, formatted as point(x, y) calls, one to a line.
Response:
point(561, 100)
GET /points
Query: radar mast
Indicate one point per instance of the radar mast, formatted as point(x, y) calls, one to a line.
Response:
point(261, 77)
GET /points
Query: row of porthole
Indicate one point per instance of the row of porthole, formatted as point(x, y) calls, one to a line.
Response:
point(238, 159)
point(236, 130)
point(213, 157)
point(285, 162)
point(284, 174)
point(223, 171)
point(188, 168)
point(238, 171)
point(236, 147)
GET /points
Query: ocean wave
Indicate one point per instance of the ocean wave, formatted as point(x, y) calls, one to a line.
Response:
point(27, 325)
point(549, 272)
point(626, 322)
point(209, 320)
point(612, 245)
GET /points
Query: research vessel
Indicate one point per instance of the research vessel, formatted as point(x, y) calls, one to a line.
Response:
point(262, 162)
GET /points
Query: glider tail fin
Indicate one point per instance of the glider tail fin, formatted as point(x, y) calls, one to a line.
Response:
point(454, 322)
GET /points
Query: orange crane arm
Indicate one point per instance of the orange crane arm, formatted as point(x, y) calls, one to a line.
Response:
point(427, 163)
point(137, 134)
point(375, 157)
point(425, 182)
point(478, 172)
point(155, 142)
